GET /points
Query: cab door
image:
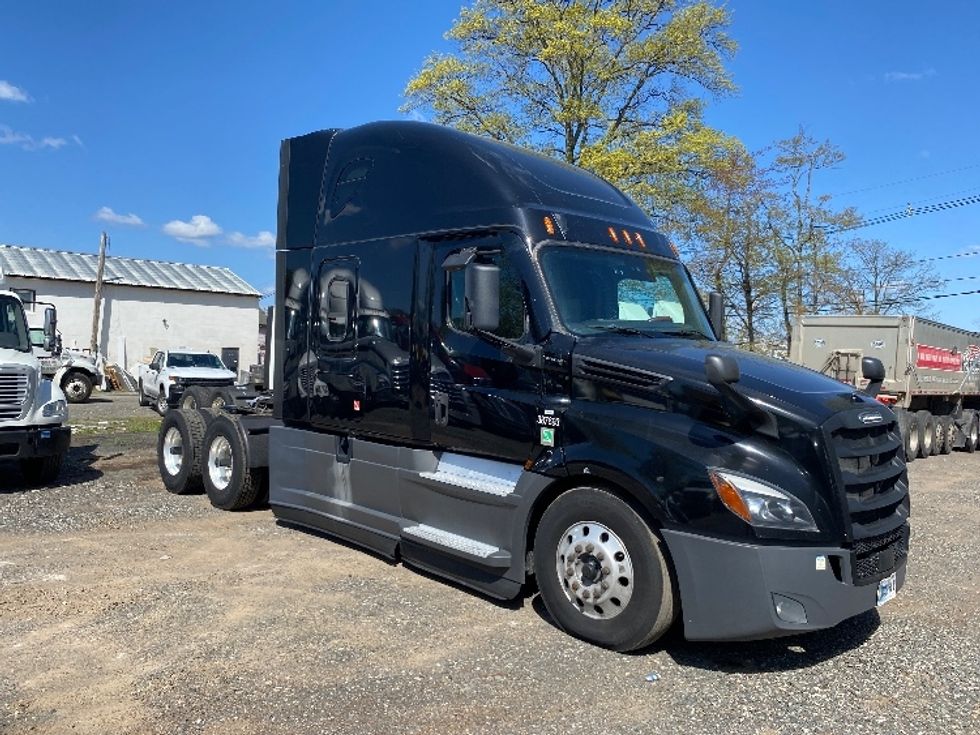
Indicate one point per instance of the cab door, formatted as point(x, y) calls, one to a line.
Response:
point(482, 401)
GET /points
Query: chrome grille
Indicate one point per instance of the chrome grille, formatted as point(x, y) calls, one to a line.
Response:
point(15, 388)
point(399, 378)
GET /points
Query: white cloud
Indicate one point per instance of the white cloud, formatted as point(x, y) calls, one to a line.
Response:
point(264, 239)
point(10, 93)
point(909, 76)
point(9, 136)
point(195, 232)
point(106, 214)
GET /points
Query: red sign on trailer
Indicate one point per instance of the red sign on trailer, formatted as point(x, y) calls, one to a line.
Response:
point(938, 358)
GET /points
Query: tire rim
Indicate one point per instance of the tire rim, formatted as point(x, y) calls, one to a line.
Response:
point(162, 403)
point(914, 443)
point(594, 570)
point(974, 433)
point(173, 451)
point(74, 388)
point(220, 462)
point(218, 402)
point(189, 402)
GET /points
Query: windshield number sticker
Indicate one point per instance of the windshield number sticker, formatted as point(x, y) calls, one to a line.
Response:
point(547, 437)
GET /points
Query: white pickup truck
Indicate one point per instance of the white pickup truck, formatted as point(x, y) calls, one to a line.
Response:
point(33, 409)
point(185, 378)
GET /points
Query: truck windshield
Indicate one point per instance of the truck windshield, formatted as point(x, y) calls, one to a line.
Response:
point(193, 360)
point(13, 326)
point(605, 290)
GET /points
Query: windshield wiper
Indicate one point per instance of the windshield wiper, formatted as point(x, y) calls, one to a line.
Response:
point(685, 333)
point(625, 330)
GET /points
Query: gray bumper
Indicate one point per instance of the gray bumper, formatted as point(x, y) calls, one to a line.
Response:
point(727, 588)
point(34, 441)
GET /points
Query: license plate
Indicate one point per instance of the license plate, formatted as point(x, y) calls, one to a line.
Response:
point(887, 589)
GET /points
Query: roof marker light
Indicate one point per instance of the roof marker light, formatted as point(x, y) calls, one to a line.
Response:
point(626, 236)
point(549, 225)
point(613, 236)
point(639, 239)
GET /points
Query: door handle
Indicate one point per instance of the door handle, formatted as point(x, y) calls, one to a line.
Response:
point(440, 403)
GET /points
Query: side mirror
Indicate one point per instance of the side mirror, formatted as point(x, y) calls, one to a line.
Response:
point(874, 371)
point(482, 296)
point(50, 329)
point(716, 314)
point(721, 370)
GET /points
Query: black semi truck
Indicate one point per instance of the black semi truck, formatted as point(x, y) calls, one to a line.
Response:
point(489, 366)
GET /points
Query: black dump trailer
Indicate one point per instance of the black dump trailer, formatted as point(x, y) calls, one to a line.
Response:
point(489, 366)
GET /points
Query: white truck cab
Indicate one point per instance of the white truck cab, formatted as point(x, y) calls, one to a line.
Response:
point(33, 409)
point(175, 376)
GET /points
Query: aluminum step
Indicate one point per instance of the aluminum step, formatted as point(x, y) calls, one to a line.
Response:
point(481, 475)
point(438, 537)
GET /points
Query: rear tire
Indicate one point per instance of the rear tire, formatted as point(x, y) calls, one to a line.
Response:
point(927, 433)
point(907, 430)
point(179, 445)
point(622, 608)
point(228, 480)
point(143, 398)
point(77, 386)
point(41, 470)
point(972, 442)
point(947, 432)
point(162, 404)
point(221, 397)
point(195, 397)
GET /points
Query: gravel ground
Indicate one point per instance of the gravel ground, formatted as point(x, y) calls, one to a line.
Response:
point(124, 609)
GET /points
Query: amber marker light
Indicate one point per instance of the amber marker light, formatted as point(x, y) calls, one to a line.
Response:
point(549, 226)
point(613, 236)
point(639, 239)
point(730, 496)
point(677, 253)
point(626, 236)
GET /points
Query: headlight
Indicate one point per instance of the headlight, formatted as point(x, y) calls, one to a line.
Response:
point(54, 408)
point(760, 504)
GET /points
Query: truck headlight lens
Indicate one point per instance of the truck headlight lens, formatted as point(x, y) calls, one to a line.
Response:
point(760, 504)
point(53, 409)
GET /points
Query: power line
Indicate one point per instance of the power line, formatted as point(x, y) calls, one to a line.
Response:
point(910, 212)
point(920, 202)
point(908, 181)
point(968, 254)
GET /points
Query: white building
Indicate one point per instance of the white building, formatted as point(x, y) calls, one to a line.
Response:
point(146, 304)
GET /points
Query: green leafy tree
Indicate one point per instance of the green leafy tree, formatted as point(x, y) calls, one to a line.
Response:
point(606, 84)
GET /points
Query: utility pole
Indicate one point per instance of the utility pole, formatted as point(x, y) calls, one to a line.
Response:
point(100, 271)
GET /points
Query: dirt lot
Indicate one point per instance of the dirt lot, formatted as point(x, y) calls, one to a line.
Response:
point(124, 609)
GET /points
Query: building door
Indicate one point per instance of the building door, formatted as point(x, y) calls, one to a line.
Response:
point(229, 356)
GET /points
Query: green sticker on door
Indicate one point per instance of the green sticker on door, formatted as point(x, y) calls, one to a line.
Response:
point(547, 437)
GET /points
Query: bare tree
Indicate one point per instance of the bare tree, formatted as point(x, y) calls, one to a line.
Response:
point(882, 279)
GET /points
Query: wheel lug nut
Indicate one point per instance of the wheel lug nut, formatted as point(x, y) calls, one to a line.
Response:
point(569, 572)
point(575, 586)
point(590, 548)
point(600, 556)
point(578, 548)
point(585, 595)
point(605, 570)
point(605, 585)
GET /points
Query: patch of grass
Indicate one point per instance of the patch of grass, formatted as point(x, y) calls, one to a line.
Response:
point(131, 425)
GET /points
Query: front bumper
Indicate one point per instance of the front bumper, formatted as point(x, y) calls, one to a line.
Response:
point(727, 588)
point(34, 441)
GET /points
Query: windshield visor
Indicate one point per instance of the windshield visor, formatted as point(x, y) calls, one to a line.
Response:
point(13, 327)
point(599, 290)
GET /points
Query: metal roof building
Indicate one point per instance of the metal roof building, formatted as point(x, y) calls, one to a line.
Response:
point(65, 266)
point(146, 304)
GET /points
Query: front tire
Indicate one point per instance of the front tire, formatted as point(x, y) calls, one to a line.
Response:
point(143, 398)
point(601, 571)
point(947, 432)
point(77, 387)
point(162, 404)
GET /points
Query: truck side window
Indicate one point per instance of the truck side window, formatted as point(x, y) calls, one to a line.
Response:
point(513, 312)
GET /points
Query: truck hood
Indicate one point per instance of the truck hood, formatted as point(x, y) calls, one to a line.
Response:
point(202, 373)
point(786, 387)
point(11, 358)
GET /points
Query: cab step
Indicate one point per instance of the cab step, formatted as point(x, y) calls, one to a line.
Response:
point(438, 538)
point(481, 475)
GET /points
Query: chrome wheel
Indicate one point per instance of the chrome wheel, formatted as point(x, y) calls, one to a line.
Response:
point(162, 402)
point(220, 463)
point(173, 451)
point(74, 389)
point(595, 570)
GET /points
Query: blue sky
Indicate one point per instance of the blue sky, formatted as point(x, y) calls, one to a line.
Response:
point(174, 111)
